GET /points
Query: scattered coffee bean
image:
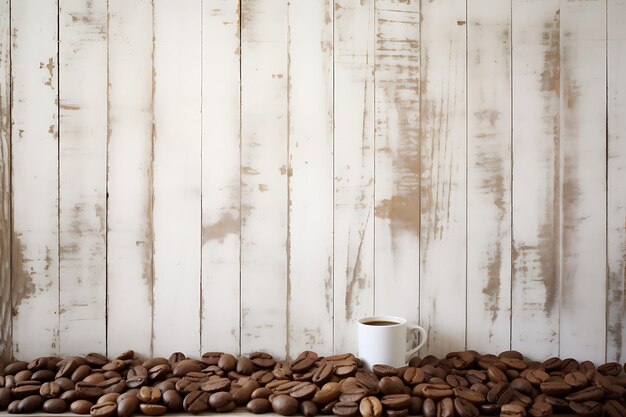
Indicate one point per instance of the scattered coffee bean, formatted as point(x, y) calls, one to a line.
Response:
point(285, 405)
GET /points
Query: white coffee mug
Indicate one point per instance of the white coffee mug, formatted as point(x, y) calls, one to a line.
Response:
point(383, 340)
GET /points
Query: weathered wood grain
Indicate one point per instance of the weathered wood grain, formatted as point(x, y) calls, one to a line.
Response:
point(583, 175)
point(397, 123)
point(443, 175)
point(130, 179)
point(35, 287)
point(353, 264)
point(310, 95)
point(536, 178)
point(220, 175)
point(264, 171)
point(616, 170)
point(5, 180)
point(488, 175)
point(177, 176)
point(82, 175)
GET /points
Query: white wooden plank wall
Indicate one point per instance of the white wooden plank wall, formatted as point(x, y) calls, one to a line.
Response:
point(242, 175)
point(35, 287)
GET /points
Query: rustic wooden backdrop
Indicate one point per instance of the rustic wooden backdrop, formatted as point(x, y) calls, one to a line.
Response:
point(220, 175)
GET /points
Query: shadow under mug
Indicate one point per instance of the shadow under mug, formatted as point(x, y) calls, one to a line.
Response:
point(383, 340)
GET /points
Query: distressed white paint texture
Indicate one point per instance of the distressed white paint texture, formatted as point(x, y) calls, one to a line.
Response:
point(35, 222)
point(220, 175)
point(82, 175)
point(353, 264)
point(616, 199)
point(443, 169)
point(310, 287)
point(264, 171)
point(583, 179)
point(488, 175)
point(536, 173)
point(177, 176)
point(130, 176)
point(397, 221)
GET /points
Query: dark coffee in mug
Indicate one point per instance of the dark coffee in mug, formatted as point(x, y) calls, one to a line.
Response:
point(381, 323)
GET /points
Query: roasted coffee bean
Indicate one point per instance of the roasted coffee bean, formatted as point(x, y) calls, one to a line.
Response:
point(355, 394)
point(481, 388)
point(514, 364)
point(437, 392)
point(227, 362)
point(152, 409)
point(445, 408)
point(285, 405)
point(263, 362)
point(94, 378)
point(384, 370)
point(475, 397)
point(369, 381)
point(262, 392)
point(613, 408)
point(327, 408)
point(259, 406)
point(38, 364)
point(96, 360)
point(159, 372)
point(185, 366)
point(24, 391)
point(80, 373)
point(540, 409)
point(69, 396)
point(322, 374)
point(552, 364)
point(429, 409)
point(115, 365)
point(5, 398)
point(536, 376)
point(81, 406)
point(87, 391)
point(555, 388)
point(396, 401)
point(474, 376)
point(413, 376)
point(586, 408)
point(263, 377)
point(127, 405)
point(345, 370)
point(346, 409)
point(284, 387)
point(220, 399)
point(13, 407)
point(308, 408)
point(328, 393)
point(465, 408)
point(22, 376)
point(415, 406)
point(610, 368)
point(54, 406)
point(586, 394)
point(303, 362)
point(512, 410)
point(304, 391)
point(30, 404)
point(371, 407)
point(196, 402)
point(106, 409)
point(210, 358)
point(66, 384)
point(152, 362)
point(149, 395)
point(172, 400)
point(50, 390)
point(501, 393)
point(512, 354)
point(463, 360)
point(522, 385)
point(15, 367)
point(456, 381)
point(244, 366)
point(113, 396)
point(391, 385)
point(244, 394)
point(495, 374)
point(215, 385)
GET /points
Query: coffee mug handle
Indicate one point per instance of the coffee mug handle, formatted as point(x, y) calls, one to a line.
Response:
point(411, 327)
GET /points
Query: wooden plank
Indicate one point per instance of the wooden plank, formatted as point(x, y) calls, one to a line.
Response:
point(220, 175)
point(616, 199)
point(397, 122)
point(353, 265)
point(583, 172)
point(264, 176)
point(536, 173)
point(488, 175)
point(130, 181)
point(177, 175)
point(310, 302)
point(35, 287)
point(443, 167)
point(5, 180)
point(82, 175)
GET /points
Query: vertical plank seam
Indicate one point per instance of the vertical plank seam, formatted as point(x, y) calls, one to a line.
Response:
point(512, 143)
point(9, 348)
point(606, 176)
point(375, 17)
point(289, 173)
point(419, 177)
point(559, 186)
point(333, 181)
point(201, 164)
point(106, 215)
point(240, 156)
point(151, 185)
point(466, 162)
point(59, 174)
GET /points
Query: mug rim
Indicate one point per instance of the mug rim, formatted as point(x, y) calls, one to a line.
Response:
point(399, 321)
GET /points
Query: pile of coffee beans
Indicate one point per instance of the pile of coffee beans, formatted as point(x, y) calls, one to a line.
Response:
point(463, 384)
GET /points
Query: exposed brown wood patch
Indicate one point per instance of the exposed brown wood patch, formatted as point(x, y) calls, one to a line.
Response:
point(22, 286)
